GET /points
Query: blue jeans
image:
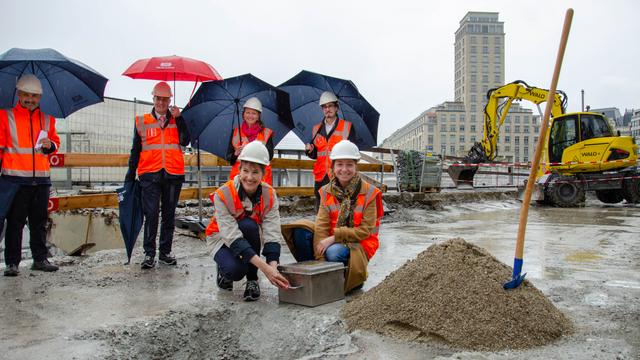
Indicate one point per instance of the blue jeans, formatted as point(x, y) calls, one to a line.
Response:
point(232, 267)
point(303, 244)
point(337, 253)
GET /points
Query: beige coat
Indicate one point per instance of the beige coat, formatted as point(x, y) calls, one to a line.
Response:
point(229, 231)
point(351, 237)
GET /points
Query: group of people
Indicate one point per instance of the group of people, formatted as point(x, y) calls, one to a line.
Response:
point(246, 222)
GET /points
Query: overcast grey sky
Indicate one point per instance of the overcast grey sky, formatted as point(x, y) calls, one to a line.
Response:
point(398, 53)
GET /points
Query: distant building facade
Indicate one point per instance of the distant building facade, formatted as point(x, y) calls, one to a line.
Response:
point(634, 126)
point(452, 127)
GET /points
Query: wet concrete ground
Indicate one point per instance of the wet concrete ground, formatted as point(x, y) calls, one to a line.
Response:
point(586, 260)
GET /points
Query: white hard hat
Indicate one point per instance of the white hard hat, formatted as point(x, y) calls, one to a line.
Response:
point(345, 149)
point(162, 89)
point(253, 103)
point(255, 152)
point(327, 97)
point(29, 83)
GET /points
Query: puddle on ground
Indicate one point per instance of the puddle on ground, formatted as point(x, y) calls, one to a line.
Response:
point(584, 256)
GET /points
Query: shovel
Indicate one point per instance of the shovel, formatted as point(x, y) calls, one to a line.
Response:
point(517, 277)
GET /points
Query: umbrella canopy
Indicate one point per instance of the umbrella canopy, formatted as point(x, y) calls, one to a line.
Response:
point(131, 216)
point(216, 108)
point(67, 84)
point(304, 92)
point(172, 68)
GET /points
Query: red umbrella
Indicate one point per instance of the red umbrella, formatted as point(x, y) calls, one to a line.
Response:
point(172, 68)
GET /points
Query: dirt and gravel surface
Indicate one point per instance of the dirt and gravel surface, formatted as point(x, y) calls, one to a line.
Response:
point(452, 292)
point(585, 261)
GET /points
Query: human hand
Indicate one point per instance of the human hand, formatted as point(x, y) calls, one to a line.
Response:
point(175, 111)
point(46, 143)
point(324, 244)
point(308, 147)
point(274, 276)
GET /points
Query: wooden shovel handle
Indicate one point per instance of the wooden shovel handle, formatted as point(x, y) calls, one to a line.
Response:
point(524, 210)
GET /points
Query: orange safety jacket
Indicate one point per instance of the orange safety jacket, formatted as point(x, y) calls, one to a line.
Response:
point(368, 194)
point(324, 147)
point(242, 139)
point(19, 131)
point(160, 147)
point(231, 200)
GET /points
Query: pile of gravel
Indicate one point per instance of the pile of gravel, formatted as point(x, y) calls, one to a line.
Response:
point(452, 292)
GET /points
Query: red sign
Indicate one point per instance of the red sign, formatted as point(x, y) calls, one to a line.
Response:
point(56, 160)
point(53, 204)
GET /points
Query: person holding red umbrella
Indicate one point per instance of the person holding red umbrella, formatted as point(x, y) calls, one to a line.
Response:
point(251, 129)
point(157, 156)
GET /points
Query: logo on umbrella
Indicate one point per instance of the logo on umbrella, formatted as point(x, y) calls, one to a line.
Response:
point(165, 65)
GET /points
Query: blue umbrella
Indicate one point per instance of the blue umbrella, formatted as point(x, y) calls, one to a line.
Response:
point(216, 108)
point(9, 190)
point(304, 92)
point(130, 214)
point(67, 84)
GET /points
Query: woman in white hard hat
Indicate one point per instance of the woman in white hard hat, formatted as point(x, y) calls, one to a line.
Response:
point(346, 228)
point(326, 134)
point(251, 129)
point(247, 219)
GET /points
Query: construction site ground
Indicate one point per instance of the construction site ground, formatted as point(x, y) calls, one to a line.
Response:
point(585, 260)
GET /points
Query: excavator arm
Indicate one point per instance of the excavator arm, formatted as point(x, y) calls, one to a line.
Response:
point(499, 102)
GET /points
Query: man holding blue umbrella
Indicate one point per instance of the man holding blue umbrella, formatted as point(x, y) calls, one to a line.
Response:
point(157, 156)
point(27, 136)
point(325, 135)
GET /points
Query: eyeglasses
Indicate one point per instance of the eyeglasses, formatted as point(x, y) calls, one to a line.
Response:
point(162, 98)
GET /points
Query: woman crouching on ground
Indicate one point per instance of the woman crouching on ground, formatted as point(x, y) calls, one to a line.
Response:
point(348, 219)
point(247, 219)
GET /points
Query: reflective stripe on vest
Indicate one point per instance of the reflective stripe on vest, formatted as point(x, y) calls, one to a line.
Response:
point(160, 146)
point(231, 200)
point(371, 193)
point(324, 146)
point(25, 157)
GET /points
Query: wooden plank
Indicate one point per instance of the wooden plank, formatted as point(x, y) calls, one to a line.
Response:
point(121, 160)
point(110, 200)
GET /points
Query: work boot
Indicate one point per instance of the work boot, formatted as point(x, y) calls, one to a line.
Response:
point(167, 259)
point(222, 282)
point(252, 291)
point(11, 270)
point(44, 265)
point(148, 263)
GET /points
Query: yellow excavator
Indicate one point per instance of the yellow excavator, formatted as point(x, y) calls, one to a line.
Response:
point(581, 152)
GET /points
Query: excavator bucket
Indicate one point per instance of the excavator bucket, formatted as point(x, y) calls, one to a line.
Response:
point(462, 175)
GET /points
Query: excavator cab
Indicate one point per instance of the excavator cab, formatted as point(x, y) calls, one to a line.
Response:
point(585, 142)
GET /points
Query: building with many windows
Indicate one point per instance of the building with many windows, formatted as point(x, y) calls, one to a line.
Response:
point(634, 126)
point(452, 127)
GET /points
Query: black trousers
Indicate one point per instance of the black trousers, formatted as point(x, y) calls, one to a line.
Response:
point(30, 203)
point(160, 195)
point(316, 189)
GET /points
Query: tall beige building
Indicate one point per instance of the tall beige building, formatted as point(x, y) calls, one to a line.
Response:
point(451, 128)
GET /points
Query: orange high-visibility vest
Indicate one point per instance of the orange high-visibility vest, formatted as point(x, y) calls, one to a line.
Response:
point(371, 193)
point(231, 200)
point(18, 141)
point(242, 139)
point(324, 147)
point(160, 147)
